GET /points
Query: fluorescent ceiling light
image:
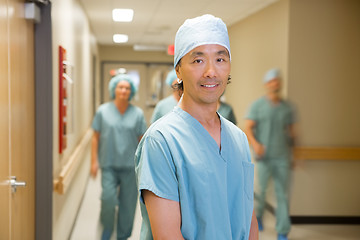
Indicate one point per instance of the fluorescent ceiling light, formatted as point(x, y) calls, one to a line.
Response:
point(149, 48)
point(120, 38)
point(122, 15)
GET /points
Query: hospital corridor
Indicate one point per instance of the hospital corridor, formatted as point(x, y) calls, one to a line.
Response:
point(87, 225)
point(102, 98)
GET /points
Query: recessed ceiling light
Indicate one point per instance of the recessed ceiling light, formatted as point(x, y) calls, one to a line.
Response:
point(120, 38)
point(122, 15)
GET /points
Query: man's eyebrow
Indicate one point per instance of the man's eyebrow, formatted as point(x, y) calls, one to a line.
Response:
point(196, 53)
point(223, 52)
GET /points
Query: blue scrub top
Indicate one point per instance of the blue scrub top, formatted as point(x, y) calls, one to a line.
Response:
point(271, 129)
point(119, 134)
point(227, 112)
point(163, 107)
point(177, 159)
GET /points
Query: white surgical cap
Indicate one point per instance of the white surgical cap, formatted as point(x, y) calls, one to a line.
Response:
point(171, 77)
point(198, 31)
point(271, 74)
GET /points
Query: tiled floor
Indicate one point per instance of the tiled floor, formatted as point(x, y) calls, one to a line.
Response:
point(87, 225)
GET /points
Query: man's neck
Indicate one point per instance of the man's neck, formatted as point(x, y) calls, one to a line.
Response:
point(273, 97)
point(176, 95)
point(201, 112)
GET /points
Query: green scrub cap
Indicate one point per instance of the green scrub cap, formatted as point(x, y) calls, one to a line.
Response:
point(271, 74)
point(171, 77)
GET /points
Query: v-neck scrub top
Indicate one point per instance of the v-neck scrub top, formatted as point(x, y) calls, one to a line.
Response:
point(272, 122)
point(177, 159)
point(119, 134)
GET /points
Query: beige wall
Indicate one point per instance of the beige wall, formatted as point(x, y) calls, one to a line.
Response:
point(258, 43)
point(127, 54)
point(316, 44)
point(324, 61)
point(71, 30)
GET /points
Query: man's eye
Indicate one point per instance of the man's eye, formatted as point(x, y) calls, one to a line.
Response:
point(197, 61)
point(221, 60)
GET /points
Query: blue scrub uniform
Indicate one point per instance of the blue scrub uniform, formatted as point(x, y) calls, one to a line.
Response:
point(163, 107)
point(227, 112)
point(177, 159)
point(119, 137)
point(270, 130)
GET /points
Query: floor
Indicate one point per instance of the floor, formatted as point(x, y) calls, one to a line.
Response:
point(87, 225)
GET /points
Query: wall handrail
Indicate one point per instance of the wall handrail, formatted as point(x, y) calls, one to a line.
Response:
point(326, 153)
point(63, 181)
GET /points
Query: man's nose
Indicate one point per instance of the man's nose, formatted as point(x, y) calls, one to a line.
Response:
point(210, 70)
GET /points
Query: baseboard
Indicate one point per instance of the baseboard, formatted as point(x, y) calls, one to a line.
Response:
point(325, 220)
point(346, 220)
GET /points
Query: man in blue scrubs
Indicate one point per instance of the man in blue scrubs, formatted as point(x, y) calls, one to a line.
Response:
point(118, 127)
point(270, 128)
point(193, 166)
point(165, 105)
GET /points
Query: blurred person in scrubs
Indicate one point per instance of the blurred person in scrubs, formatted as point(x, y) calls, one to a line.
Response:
point(193, 166)
point(165, 105)
point(269, 126)
point(226, 110)
point(118, 127)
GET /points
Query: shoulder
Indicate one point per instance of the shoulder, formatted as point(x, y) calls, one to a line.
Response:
point(136, 109)
point(167, 125)
point(260, 101)
point(166, 100)
point(104, 107)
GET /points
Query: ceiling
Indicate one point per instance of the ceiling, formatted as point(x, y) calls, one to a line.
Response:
point(155, 22)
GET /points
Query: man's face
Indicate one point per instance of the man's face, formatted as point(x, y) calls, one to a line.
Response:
point(273, 86)
point(205, 71)
point(123, 90)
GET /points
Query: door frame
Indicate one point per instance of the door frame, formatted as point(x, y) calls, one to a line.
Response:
point(43, 125)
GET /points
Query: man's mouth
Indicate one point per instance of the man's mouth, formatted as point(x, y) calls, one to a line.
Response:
point(208, 85)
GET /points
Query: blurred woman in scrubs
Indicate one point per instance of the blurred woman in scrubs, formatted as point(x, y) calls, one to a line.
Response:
point(118, 127)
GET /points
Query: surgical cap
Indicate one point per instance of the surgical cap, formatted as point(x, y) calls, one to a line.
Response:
point(171, 77)
point(198, 31)
point(114, 82)
point(271, 74)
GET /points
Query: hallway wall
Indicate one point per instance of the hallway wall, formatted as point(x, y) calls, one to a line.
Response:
point(315, 44)
point(324, 61)
point(72, 31)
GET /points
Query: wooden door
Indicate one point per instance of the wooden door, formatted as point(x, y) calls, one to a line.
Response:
point(4, 129)
point(17, 122)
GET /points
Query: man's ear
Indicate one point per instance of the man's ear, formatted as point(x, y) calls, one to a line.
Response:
point(177, 69)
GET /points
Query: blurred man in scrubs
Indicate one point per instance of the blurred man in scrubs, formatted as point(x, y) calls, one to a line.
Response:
point(193, 166)
point(269, 126)
point(118, 127)
point(165, 105)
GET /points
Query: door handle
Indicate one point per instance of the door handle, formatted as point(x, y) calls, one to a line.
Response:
point(14, 184)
